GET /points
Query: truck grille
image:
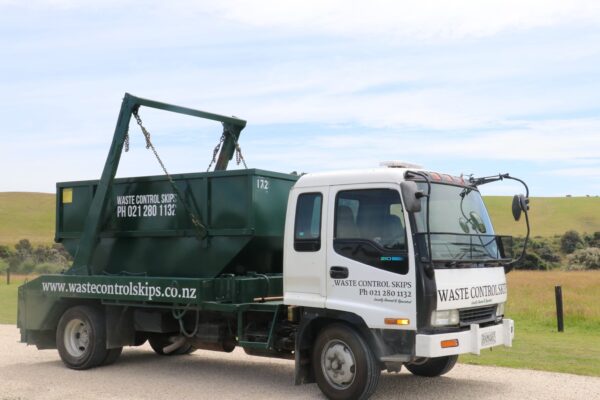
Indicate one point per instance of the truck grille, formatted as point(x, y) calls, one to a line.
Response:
point(477, 315)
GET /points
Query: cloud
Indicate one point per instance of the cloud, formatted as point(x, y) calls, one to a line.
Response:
point(392, 20)
point(401, 20)
point(576, 172)
point(323, 85)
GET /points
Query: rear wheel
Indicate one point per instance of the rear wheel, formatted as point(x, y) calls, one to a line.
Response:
point(112, 355)
point(159, 342)
point(433, 366)
point(344, 366)
point(81, 338)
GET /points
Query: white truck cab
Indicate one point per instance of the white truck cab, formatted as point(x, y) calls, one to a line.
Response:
point(422, 277)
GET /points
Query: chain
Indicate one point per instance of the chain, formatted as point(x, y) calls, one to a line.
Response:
point(216, 151)
point(239, 158)
point(238, 155)
point(195, 220)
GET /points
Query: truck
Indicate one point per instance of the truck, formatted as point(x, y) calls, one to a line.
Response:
point(345, 273)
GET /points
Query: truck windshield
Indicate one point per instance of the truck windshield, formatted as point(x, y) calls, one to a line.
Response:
point(452, 209)
point(460, 226)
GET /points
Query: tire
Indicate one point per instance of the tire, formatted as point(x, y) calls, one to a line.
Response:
point(112, 355)
point(81, 338)
point(159, 342)
point(433, 366)
point(344, 365)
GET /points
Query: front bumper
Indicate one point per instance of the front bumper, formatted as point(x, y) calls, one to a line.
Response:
point(470, 341)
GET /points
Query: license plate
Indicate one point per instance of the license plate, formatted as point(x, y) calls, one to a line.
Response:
point(488, 338)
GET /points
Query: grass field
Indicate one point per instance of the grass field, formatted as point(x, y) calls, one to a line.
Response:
point(26, 215)
point(537, 343)
point(548, 215)
point(8, 299)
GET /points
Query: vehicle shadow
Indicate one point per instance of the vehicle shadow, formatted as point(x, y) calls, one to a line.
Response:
point(207, 374)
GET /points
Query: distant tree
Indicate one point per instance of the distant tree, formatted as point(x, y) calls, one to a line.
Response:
point(531, 261)
point(547, 254)
point(594, 240)
point(585, 259)
point(570, 241)
point(24, 247)
point(23, 252)
point(5, 252)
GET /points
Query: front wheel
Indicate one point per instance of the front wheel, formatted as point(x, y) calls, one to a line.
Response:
point(81, 338)
point(112, 355)
point(433, 366)
point(344, 365)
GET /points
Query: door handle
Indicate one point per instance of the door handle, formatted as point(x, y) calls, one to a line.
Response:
point(338, 272)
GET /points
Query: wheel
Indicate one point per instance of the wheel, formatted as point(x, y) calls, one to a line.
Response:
point(81, 338)
point(159, 342)
point(433, 366)
point(112, 355)
point(344, 365)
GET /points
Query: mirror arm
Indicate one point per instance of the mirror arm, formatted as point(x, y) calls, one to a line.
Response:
point(522, 182)
point(499, 177)
point(495, 178)
point(511, 264)
point(429, 270)
point(488, 179)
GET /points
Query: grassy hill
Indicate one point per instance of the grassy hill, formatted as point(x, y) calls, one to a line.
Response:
point(26, 215)
point(548, 215)
point(31, 215)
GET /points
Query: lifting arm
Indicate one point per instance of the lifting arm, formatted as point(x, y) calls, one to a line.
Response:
point(91, 230)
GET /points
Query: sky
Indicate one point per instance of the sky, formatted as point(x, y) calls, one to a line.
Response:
point(461, 87)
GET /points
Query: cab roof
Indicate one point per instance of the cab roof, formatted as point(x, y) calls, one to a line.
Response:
point(379, 175)
point(372, 175)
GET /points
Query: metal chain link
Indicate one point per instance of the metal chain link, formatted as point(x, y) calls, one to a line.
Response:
point(195, 220)
point(238, 155)
point(239, 158)
point(216, 151)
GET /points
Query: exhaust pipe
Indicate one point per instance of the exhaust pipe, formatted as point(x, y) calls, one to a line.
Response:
point(180, 341)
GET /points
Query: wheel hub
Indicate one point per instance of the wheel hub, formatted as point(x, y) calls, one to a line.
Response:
point(338, 363)
point(77, 337)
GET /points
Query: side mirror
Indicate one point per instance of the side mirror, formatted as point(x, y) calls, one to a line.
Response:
point(411, 195)
point(520, 204)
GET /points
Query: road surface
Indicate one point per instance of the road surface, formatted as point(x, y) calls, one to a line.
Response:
point(27, 373)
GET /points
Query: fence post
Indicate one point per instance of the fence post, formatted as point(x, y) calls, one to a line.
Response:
point(559, 308)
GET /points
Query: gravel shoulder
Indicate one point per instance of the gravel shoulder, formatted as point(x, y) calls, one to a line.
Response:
point(27, 373)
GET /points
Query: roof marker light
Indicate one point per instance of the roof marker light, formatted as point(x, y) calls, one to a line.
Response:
point(435, 176)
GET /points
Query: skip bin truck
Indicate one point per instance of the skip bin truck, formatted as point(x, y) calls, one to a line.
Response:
point(346, 273)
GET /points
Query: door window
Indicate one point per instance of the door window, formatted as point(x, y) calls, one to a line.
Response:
point(369, 228)
point(307, 227)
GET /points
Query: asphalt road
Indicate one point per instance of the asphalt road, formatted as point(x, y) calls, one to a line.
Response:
point(27, 373)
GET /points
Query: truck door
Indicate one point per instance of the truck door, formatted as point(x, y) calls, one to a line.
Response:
point(370, 267)
point(304, 276)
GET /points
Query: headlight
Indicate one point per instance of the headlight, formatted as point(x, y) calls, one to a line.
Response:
point(500, 309)
point(444, 317)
